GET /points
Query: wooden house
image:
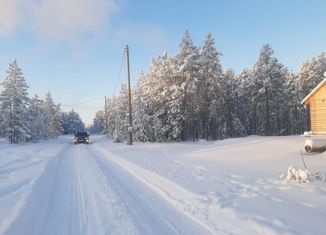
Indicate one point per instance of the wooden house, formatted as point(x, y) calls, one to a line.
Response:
point(316, 101)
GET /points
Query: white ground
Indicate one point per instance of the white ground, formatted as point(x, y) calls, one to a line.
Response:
point(223, 187)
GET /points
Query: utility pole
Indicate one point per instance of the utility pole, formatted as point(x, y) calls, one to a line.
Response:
point(106, 117)
point(129, 142)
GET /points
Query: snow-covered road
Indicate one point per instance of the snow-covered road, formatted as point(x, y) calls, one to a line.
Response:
point(223, 187)
point(83, 192)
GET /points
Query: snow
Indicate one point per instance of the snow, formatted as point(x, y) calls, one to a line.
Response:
point(297, 175)
point(218, 187)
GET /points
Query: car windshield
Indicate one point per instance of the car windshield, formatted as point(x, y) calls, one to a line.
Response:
point(81, 134)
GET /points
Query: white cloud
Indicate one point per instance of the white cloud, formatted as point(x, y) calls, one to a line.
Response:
point(59, 19)
point(9, 16)
point(152, 35)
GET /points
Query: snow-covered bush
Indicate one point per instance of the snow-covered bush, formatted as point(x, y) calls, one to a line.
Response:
point(295, 174)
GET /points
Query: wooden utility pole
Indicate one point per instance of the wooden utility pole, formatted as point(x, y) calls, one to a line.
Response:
point(106, 117)
point(129, 142)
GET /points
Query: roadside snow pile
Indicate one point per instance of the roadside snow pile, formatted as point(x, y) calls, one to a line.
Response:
point(296, 175)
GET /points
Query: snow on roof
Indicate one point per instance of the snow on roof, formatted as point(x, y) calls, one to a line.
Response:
point(307, 98)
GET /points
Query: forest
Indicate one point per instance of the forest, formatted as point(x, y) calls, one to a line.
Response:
point(189, 96)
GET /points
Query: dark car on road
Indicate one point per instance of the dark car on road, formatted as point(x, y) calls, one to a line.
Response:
point(81, 137)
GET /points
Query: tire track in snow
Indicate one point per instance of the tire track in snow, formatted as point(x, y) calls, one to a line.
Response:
point(80, 201)
point(66, 200)
point(150, 213)
point(51, 207)
point(103, 213)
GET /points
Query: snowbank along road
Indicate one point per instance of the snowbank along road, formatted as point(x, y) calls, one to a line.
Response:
point(104, 188)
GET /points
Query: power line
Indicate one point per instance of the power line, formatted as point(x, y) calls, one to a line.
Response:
point(120, 69)
point(82, 102)
point(100, 98)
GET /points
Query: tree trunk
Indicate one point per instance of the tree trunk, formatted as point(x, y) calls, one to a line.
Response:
point(267, 127)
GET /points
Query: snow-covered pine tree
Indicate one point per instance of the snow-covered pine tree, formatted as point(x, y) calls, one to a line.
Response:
point(118, 115)
point(110, 108)
point(165, 105)
point(269, 77)
point(159, 101)
point(14, 103)
point(142, 121)
point(311, 73)
point(246, 108)
point(295, 114)
point(65, 123)
point(188, 73)
point(234, 127)
point(171, 111)
point(76, 123)
point(52, 117)
point(211, 91)
point(98, 126)
point(36, 120)
point(152, 88)
point(71, 123)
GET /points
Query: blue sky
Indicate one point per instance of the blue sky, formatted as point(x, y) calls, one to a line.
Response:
point(74, 48)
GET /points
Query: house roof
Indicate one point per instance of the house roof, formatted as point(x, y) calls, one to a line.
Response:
point(306, 100)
